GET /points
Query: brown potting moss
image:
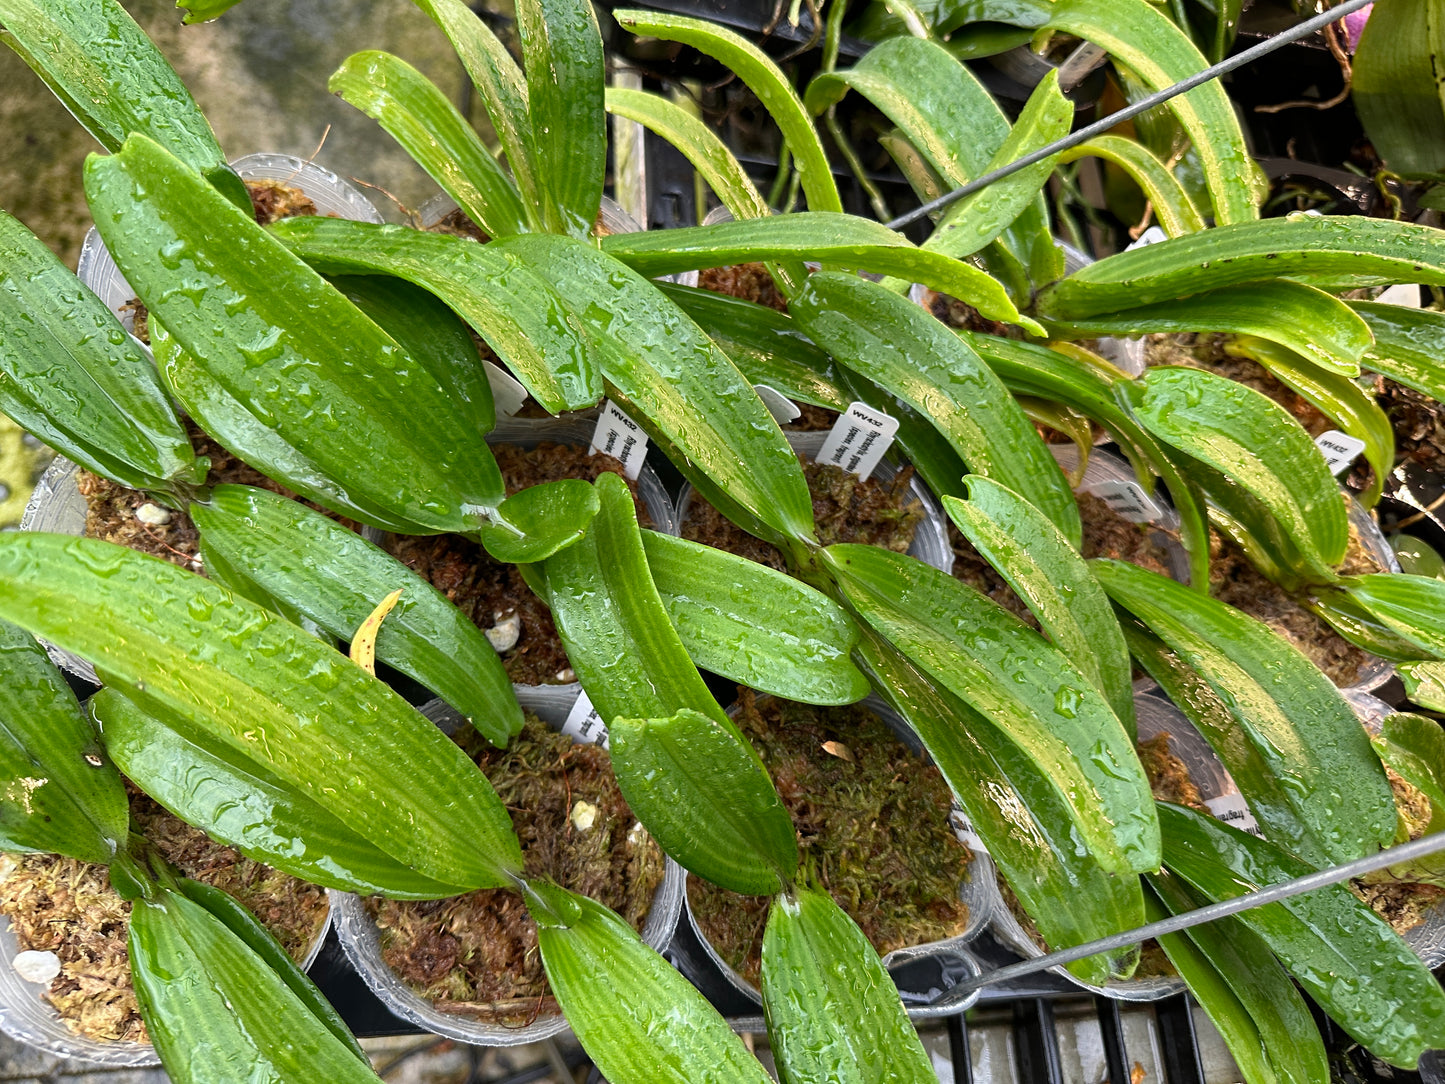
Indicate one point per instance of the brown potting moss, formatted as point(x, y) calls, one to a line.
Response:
point(477, 954)
point(963, 316)
point(489, 591)
point(749, 281)
point(59, 905)
point(846, 508)
point(1403, 904)
point(873, 830)
point(1419, 424)
point(1168, 775)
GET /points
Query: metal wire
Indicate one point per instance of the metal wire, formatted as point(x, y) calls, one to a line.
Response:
point(1088, 132)
point(1370, 863)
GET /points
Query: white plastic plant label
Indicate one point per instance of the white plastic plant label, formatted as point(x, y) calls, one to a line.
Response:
point(507, 393)
point(1127, 500)
point(620, 437)
point(1407, 294)
point(964, 830)
point(859, 440)
point(584, 725)
point(783, 409)
point(1152, 236)
point(1340, 449)
point(1233, 811)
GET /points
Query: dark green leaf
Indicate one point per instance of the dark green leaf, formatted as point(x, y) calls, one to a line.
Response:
point(1395, 84)
point(214, 665)
point(200, 11)
point(1414, 747)
point(1344, 956)
point(638, 1019)
point(59, 793)
point(1414, 606)
point(989, 659)
point(755, 626)
point(335, 578)
point(700, 790)
point(540, 520)
point(1299, 724)
point(1407, 345)
point(833, 1014)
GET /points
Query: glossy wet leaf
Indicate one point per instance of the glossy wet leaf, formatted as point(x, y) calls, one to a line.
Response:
point(335, 577)
point(242, 803)
point(1249, 997)
point(1414, 606)
point(1019, 815)
point(1414, 747)
point(60, 347)
point(1369, 981)
point(988, 658)
point(708, 154)
point(60, 794)
point(437, 137)
point(508, 304)
point(1297, 722)
point(903, 349)
point(1258, 446)
point(613, 623)
point(285, 345)
point(202, 989)
point(676, 383)
point(1172, 206)
point(753, 625)
point(1049, 575)
point(536, 522)
point(200, 11)
point(562, 60)
point(700, 790)
point(1361, 627)
point(833, 1013)
point(217, 666)
point(1323, 250)
point(1406, 346)
point(837, 240)
point(1300, 318)
point(1425, 683)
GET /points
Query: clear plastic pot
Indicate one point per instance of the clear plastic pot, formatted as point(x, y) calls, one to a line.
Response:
point(25, 1016)
point(361, 939)
point(930, 543)
point(927, 974)
point(332, 196)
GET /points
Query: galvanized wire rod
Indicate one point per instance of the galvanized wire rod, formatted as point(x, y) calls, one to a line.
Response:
point(1099, 127)
point(1369, 864)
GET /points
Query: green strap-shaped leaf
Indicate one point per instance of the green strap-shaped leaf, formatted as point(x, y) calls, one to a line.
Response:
point(1334, 248)
point(61, 347)
point(1049, 575)
point(1425, 684)
point(1028, 369)
point(638, 1019)
point(1361, 627)
point(841, 240)
point(499, 83)
point(59, 793)
point(1414, 746)
point(1173, 208)
point(992, 661)
point(1297, 317)
point(429, 128)
point(540, 520)
point(1017, 812)
point(258, 939)
point(278, 339)
point(244, 1017)
point(833, 1013)
point(113, 79)
point(510, 306)
point(1407, 345)
point(1160, 54)
point(1249, 997)
point(613, 623)
point(1346, 958)
point(764, 79)
point(562, 58)
point(1301, 726)
point(1396, 88)
point(676, 383)
point(1414, 606)
point(200, 11)
point(1257, 445)
point(1212, 716)
point(335, 578)
point(708, 154)
point(215, 665)
point(240, 802)
point(904, 350)
point(755, 626)
point(1348, 405)
point(701, 792)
